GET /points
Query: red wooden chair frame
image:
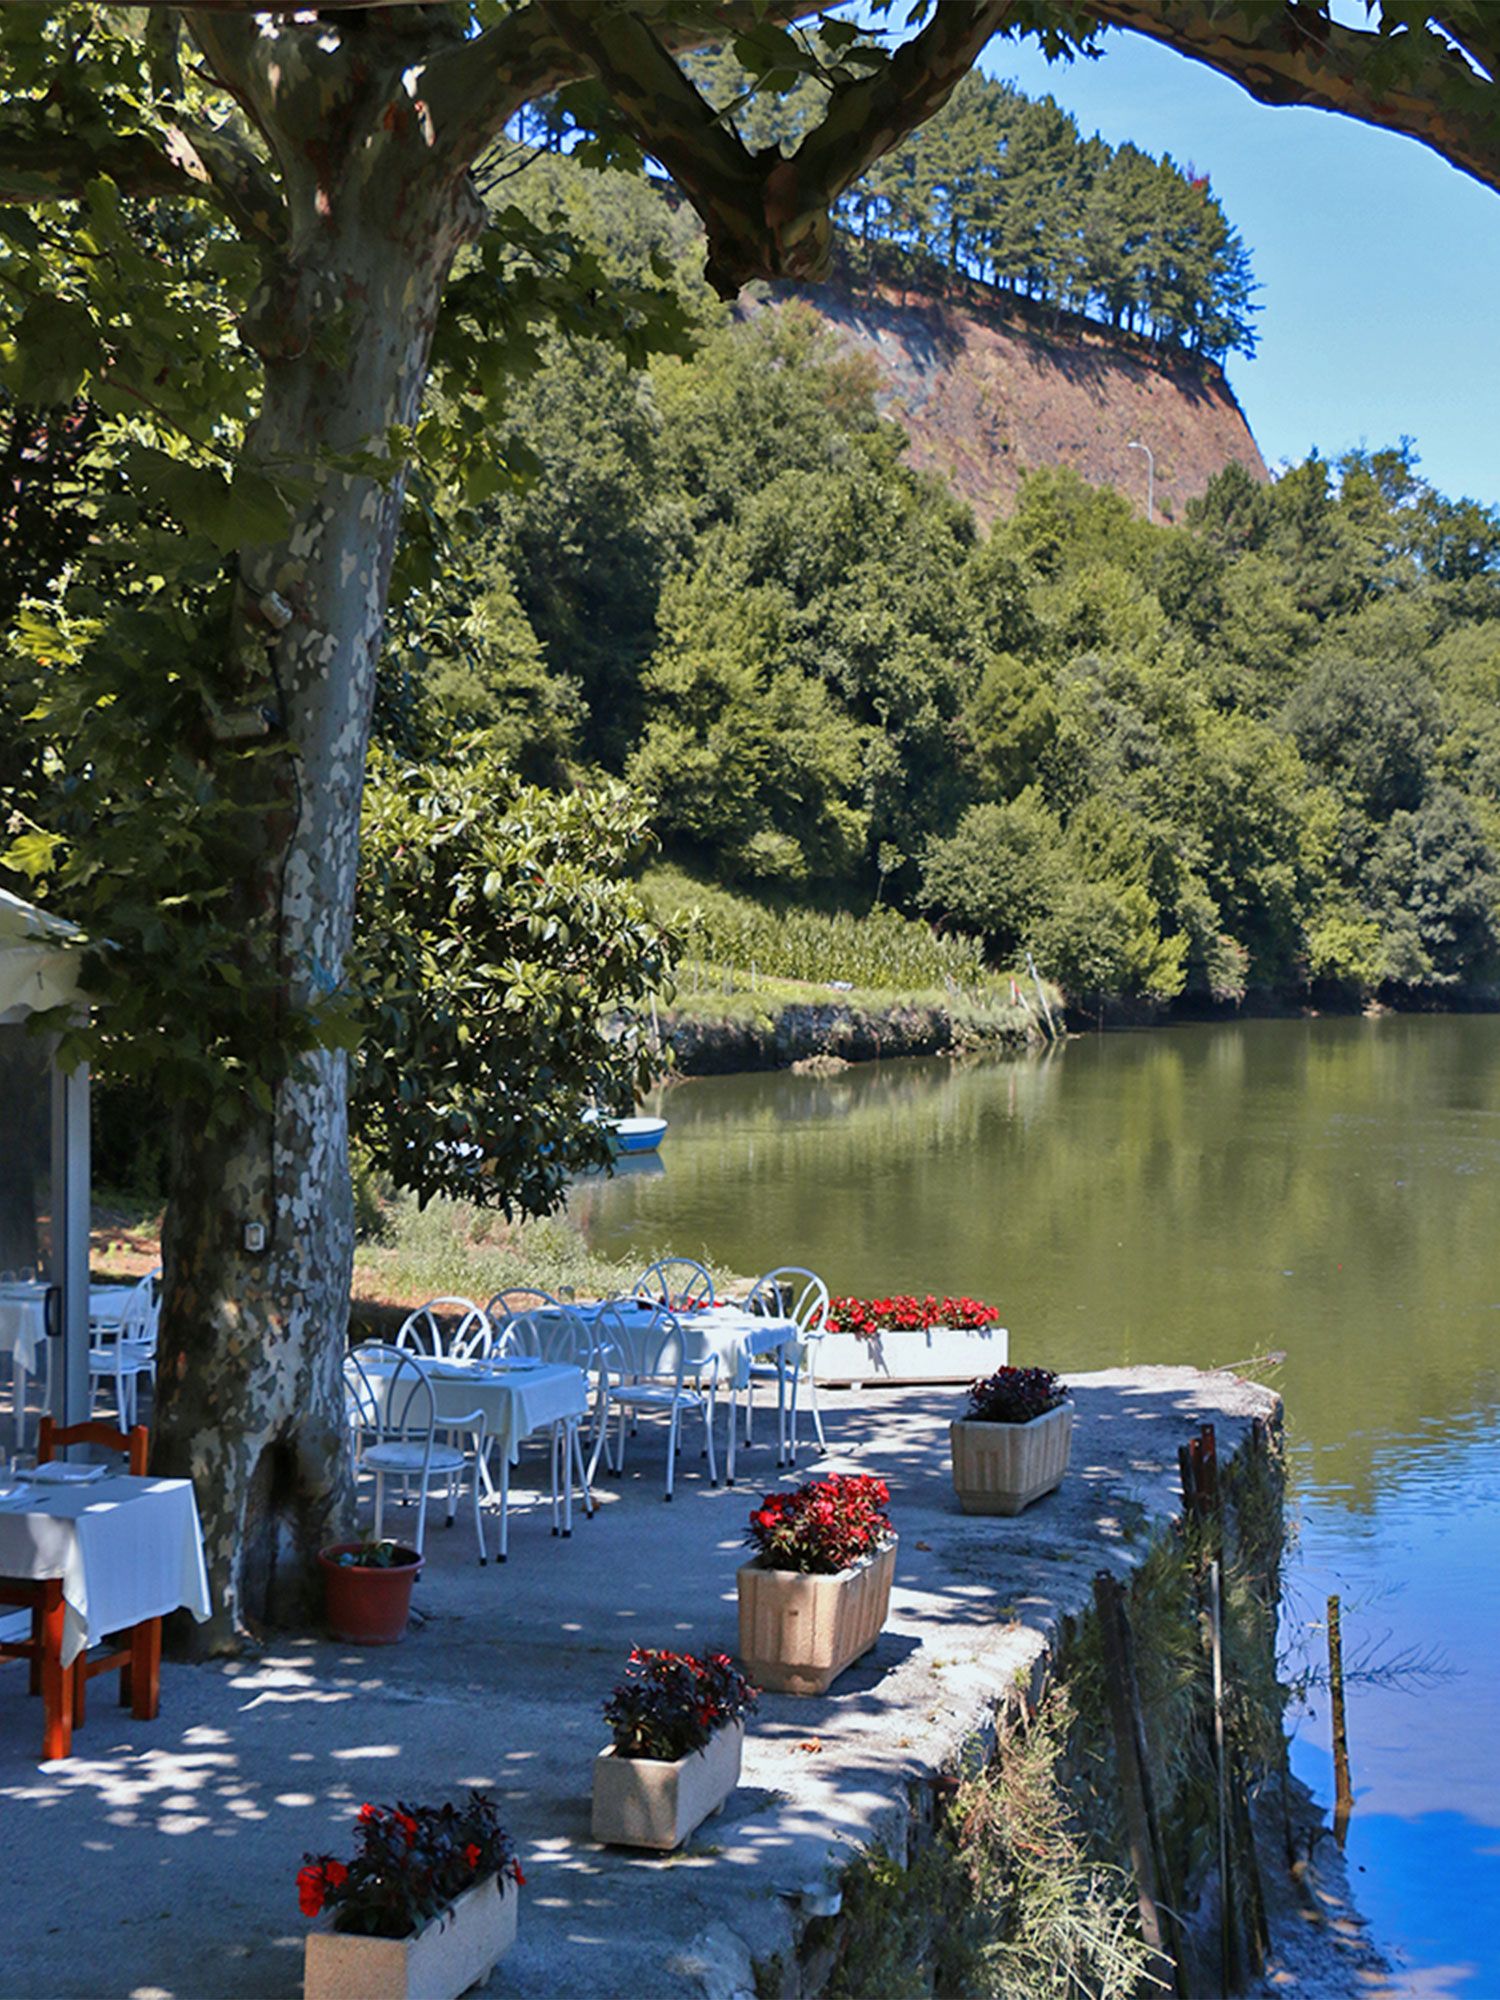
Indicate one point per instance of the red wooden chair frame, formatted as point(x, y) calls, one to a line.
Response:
point(63, 1689)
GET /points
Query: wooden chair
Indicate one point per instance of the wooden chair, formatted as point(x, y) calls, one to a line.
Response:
point(63, 1689)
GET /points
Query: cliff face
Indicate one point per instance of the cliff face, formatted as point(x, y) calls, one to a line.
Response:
point(989, 391)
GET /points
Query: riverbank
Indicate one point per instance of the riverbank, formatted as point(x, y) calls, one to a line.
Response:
point(773, 1026)
point(842, 1798)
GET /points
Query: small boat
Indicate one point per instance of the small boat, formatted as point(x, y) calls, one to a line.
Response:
point(629, 1136)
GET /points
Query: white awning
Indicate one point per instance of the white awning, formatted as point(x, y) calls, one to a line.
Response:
point(39, 960)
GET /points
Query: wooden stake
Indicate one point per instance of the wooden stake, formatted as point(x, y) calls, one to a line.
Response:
point(1229, 1946)
point(1158, 1924)
point(1343, 1790)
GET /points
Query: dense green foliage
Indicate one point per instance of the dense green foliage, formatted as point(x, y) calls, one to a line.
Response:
point(1257, 750)
point(495, 922)
point(1004, 189)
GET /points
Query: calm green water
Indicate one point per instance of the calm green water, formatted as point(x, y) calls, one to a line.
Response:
point(1207, 1194)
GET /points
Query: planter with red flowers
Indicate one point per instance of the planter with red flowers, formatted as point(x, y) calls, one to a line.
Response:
point(907, 1339)
point(424, 1910)
point(816, 1596)
point(679, 1730)
point(1013, 1442)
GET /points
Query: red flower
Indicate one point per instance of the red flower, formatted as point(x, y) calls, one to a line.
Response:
point(310, 1889)
point(472, 1853)
point(520, 1879)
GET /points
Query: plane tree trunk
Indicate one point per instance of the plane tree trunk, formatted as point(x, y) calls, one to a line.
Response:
point(249, 1397)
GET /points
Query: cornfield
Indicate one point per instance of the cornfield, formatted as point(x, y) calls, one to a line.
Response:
point(881, 949)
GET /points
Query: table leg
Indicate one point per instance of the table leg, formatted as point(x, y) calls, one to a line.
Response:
point(504, 1501)
point(734, 1424)
point(57, 1680)
point(781, 1450)
point(145, 1669)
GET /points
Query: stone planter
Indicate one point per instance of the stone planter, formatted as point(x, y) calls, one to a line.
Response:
point(1001, 1468)
point(798, 1633)
point(644, 1802)
point(445, 1958)
point(932, 1354)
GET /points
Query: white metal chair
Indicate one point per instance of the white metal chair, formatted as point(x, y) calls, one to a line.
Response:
point(681, 1284)
point(446, 1328)
point(553, 1333)
point(393, 1417)
point(789, 1292)
point(654, 1371)
point(505, 1306)
point(122, 1350)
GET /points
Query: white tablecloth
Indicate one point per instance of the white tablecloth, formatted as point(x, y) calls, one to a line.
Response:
point(516, 1400)
point(736, 1336)
point(126, 1549)
point(23, 1322)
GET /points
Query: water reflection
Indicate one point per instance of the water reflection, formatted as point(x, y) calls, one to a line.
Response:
point(1326, 1188)
point(1204, 1194)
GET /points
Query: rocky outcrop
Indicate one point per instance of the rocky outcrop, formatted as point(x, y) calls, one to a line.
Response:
point(989, 387)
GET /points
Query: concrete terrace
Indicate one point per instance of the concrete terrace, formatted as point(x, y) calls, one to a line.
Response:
point(158, 1862)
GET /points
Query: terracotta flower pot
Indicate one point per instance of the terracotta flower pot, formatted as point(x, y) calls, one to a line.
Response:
point(648, 1802)
point(453, 1952)
point(365, 1605)
point(1001, 1468)
point(799, 1632)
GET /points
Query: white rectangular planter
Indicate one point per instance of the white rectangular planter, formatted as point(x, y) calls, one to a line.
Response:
point(798, 1633)
point(1001, 1468)
point(445, 1958)
point(931, 1354)
point(647, 1802)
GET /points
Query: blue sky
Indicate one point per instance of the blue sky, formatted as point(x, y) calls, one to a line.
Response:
point(1379, 264)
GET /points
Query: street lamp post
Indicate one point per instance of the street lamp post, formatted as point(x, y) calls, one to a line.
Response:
point(1150, 476)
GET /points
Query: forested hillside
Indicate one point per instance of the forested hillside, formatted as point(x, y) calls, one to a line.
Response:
point(1255, 750)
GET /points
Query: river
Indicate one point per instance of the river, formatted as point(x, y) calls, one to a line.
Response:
point(1325, 1188)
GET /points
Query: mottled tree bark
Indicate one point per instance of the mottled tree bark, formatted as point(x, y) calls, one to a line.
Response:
point(250, 1402)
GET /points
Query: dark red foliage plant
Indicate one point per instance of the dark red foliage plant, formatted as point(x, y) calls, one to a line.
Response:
point(822, 1527)
point(1014, 1396)
point(412, 1861)
point(670, 1704)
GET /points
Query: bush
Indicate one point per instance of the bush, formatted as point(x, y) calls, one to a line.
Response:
point(670, 1704)
point(1014, 1396)
point(824, 1526)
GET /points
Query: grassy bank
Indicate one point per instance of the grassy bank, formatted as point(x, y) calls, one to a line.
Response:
point(762, 983)
point(452, 1247)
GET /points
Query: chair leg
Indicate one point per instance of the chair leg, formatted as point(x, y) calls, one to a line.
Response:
point(422, 1515)
point(672, 1430)
point(708, 1433)
point(817, 1414)
point(504, 1552)
point(585, 1478)
point(478, 1523)
point(379, 1504)
point(57, 1680)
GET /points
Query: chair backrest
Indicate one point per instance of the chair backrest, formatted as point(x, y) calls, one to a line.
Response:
point(142, 1311)
point(550, 1333)
point(387, 1396)
point(679, 1283)
point(446, 1327)
point(506, 1307)
point(789, 1292)
point(647, 1346)
point(133, 1445)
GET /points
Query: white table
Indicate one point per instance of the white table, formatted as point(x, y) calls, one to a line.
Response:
point(517, 1399)
point(735, 1336)
point(23, 1330)
point(120, 1552)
